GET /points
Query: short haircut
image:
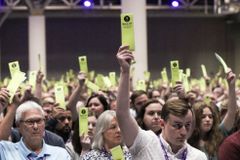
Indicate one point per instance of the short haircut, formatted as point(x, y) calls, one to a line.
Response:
point(26, 106)
point(136, 94)
point(176, 107)
point(103, 123)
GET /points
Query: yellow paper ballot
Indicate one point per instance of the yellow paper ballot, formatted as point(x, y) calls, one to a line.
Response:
point(117, 153)
point(185, 82)
point(175, 72)
point(14, 83)
point(83, 64)
point(112, 77)
point(223, 63)
point(127, 29)
point(91, 75)
point(107, 82)
point(92, 86)
point(32, 78)
point(188, 72)
point(59, 95)
point(99, 80)
point(202, 84)
point(13, 67)
point(164, 76)
point(141, 85)
point(83, 121)
point(147, 75)
point(204, 71)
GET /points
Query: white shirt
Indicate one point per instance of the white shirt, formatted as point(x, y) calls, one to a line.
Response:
point(147, 146)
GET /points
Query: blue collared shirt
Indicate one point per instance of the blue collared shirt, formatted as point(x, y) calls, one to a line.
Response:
point(19, 151)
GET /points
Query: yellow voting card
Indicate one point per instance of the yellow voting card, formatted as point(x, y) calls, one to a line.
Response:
point(223, 63)
point(141, 85)
point(14, 83)
point(204, 71)
point(175, 71)
point(93, 87)
point(188, 72)
point(127, 30)
point(83, 121)
point(117, 153)
point(112, 77)
point(147, 75)
point(164, 76)
point(32, 79)
point(83, 64)
point(13, 67)
point(59, 95)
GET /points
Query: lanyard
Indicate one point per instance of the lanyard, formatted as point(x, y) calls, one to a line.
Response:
point(184, 154)
point(106, 153)
point(30, 158)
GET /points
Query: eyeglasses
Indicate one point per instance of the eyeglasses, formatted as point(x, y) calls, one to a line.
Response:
point(31, 122)
point(62, 118)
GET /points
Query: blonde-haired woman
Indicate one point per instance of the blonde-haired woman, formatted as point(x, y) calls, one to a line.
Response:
point(107, 136)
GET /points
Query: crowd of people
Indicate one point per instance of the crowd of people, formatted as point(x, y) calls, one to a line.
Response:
point(162, 122)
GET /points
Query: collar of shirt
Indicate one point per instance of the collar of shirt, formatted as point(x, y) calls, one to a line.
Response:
point(26, 152)
point(168, 148)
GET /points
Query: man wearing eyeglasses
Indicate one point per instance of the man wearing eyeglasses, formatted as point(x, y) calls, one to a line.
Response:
point(31, 124)
point(176, 123)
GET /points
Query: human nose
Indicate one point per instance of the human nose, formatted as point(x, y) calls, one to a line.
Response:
point(118, 129)
point(156, 115)
point(90, 126)
point(35, 125)
point(183, 130)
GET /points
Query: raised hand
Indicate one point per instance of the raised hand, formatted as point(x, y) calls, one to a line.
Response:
point(179, 89)
point(85, 142)
point(4, 98)
point(81, 78)
point(231, 77)
point(124, 57)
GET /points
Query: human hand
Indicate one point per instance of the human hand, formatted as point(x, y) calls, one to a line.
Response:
point(124, 57)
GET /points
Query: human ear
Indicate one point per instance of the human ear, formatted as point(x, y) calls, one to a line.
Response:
point(162, 123)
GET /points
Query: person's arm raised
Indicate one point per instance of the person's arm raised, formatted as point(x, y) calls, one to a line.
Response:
point(128, 125)
point(76, 96)
point(229, 118)
point(38, 89)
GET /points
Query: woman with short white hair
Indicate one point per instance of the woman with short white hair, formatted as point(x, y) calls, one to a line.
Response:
point(107, 136)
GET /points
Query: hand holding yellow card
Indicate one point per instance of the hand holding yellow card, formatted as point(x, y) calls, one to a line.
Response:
point(14, 83)
point(59, 95)
point(83, 121)
point(117, 153)
point(175, 71)
point(127, 28)
point(83, 64)
point(13, 68)
point(223, 63)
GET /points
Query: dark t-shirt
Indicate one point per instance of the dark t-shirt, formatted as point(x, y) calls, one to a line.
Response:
point(230, 148)
point(49, 138)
